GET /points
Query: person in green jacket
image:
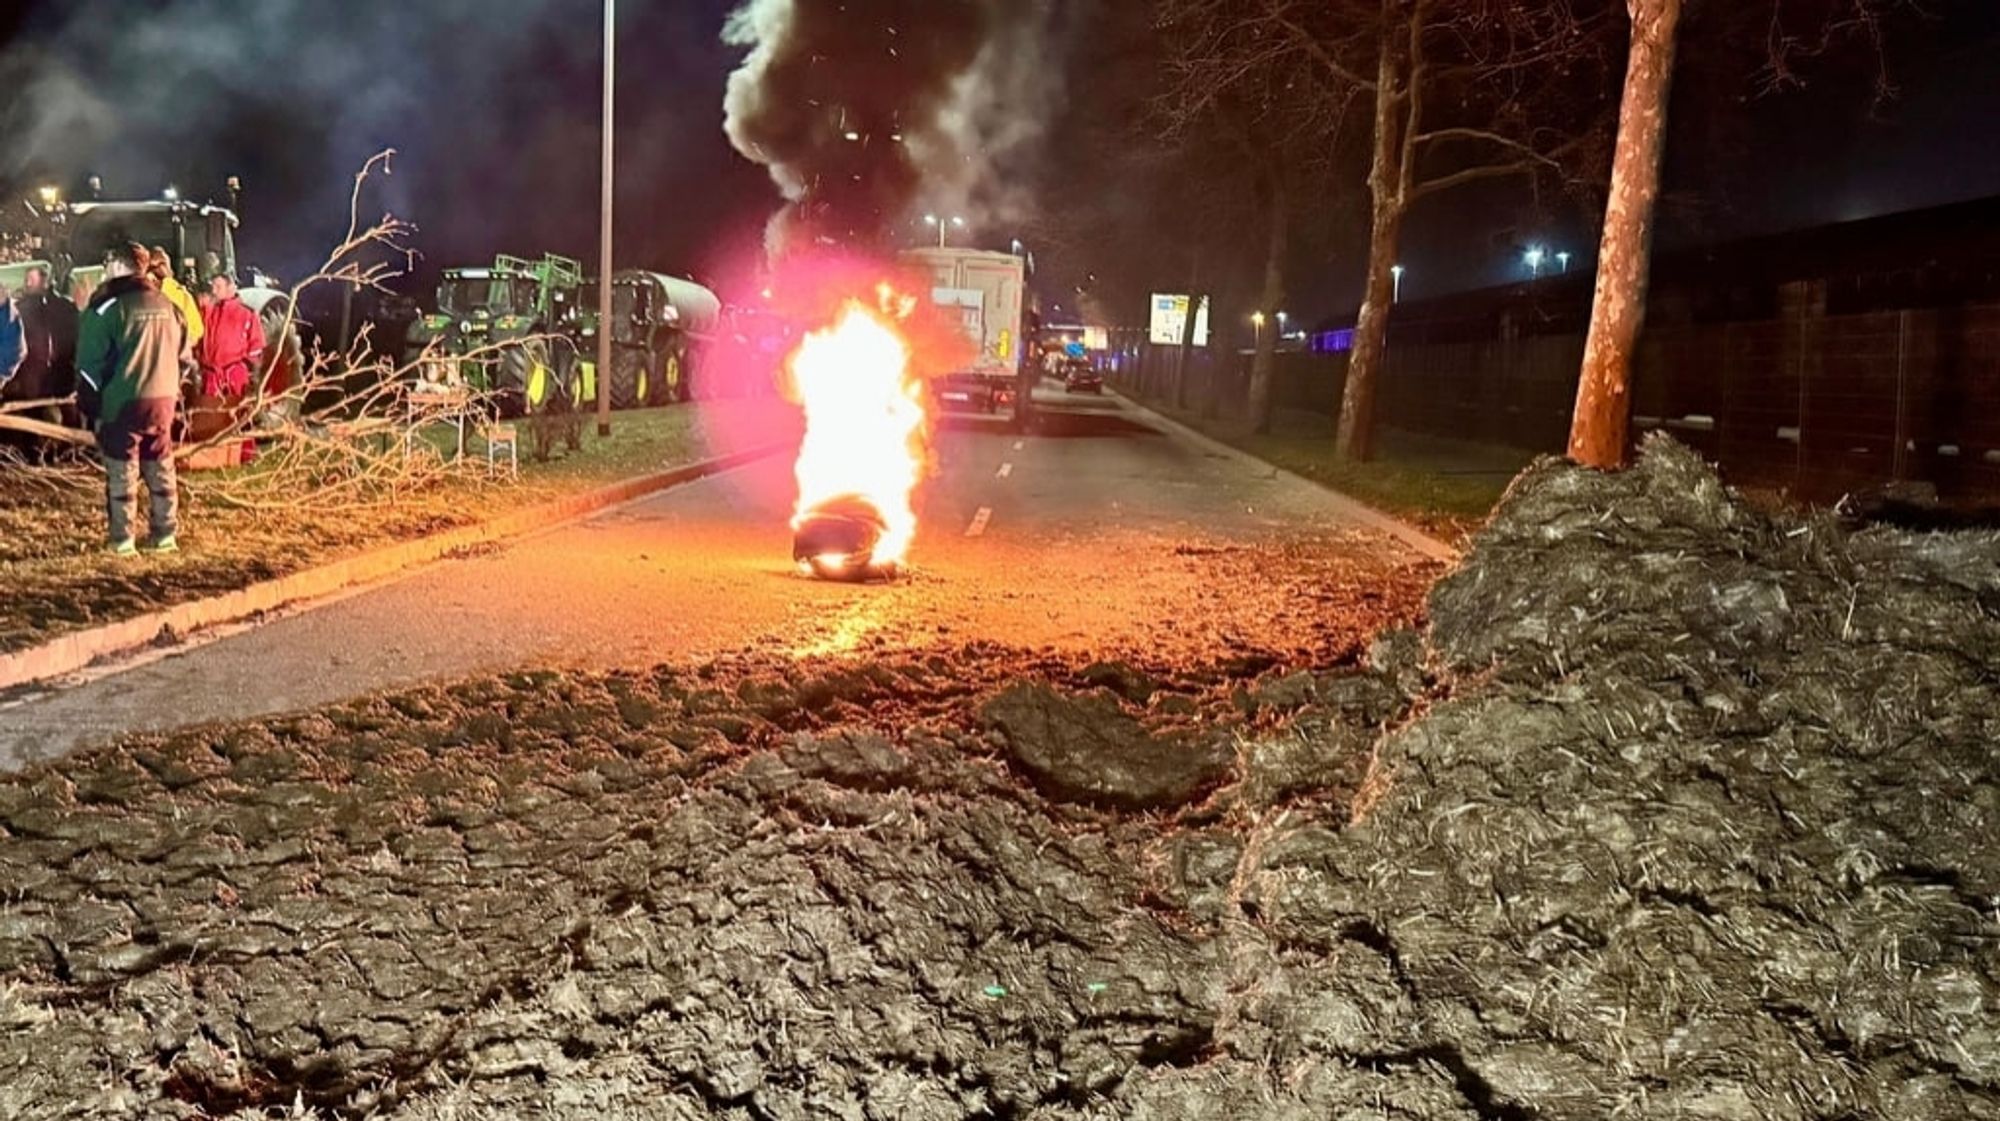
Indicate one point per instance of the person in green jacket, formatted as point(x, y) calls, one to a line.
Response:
point(130, 351)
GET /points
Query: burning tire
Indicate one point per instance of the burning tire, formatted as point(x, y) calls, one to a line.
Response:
point(836, 540)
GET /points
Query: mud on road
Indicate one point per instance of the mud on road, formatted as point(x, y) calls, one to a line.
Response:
point(1671, 810)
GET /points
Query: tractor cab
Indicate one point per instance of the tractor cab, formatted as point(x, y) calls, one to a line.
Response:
point(200, 237)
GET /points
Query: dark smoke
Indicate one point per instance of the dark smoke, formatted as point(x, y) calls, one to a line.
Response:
point(492, 105)
point(869, 113)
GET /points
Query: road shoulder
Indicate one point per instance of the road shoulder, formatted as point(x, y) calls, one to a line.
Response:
point(1348, 506)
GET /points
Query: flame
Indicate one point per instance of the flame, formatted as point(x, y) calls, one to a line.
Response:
point(864, 414)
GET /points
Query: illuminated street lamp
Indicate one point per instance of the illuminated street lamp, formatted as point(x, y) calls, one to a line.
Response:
point(171, 194)
point(1562, 259)
point(1396, 293)
point(1257, 322)
point(51, 198)
point(1534, 257)
point(944, 225)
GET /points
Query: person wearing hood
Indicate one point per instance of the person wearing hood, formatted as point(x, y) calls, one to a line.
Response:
point(130, 352)
point(160, 268)
point(47, 370)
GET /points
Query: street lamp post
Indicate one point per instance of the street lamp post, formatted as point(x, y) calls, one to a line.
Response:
point(1257, 324)
point(1534, 257)
point(1396, 292)
point(1562, 259)
point(604, 202)
point(943, 225)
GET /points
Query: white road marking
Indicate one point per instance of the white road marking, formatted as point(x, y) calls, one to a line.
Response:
point(979, 521)
point(1006, 469)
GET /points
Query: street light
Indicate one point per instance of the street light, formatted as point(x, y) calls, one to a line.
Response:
point(171, 194)
point(1396, 293)
point(1257, 322)
point(1534, 258)
point(943, 225)
point(604, 202)
point(1562, 259)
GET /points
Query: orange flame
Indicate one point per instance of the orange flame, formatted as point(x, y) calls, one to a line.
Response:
point(864, 414)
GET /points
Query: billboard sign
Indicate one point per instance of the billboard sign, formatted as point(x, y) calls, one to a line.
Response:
point(1169, 321)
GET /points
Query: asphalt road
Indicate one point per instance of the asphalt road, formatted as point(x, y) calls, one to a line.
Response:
point(1094, 532)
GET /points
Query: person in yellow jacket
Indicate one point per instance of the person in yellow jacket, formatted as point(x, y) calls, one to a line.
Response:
point(161, 271)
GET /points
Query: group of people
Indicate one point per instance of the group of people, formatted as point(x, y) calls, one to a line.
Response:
point(146, 361)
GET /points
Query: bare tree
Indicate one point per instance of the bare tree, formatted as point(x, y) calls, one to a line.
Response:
point(1600, 426)
point(1265, 124)
point(1461, 91)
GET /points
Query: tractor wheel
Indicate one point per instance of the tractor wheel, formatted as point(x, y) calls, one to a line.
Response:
point(673, 384)
point(526, 378)
point(566, 376)
point(631, 379)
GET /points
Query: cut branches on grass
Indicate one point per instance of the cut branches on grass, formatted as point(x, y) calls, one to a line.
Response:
point(351, 454)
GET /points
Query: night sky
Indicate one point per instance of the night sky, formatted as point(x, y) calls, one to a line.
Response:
point(492, 105)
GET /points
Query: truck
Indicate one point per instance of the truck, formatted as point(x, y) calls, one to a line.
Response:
point(987, 294)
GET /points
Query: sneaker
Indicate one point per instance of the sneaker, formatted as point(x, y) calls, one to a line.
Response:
point(125, 548)
point(165, 544)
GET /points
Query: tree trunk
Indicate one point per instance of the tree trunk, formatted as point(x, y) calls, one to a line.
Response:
point(1600, 428)
point(1186, 353)
point(1388, 192)
point(1263, 368)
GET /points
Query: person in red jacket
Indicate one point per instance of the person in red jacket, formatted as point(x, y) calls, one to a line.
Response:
point(230, 353)
point(232, 341)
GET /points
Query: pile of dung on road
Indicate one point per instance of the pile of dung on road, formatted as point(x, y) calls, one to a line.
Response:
point(1675, 811)
point(1710, 828)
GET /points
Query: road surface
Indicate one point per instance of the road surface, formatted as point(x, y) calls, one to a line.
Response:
point(1095, 533)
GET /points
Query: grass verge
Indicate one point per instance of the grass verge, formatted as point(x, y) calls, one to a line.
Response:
point(1445, 486)
point(58, 578)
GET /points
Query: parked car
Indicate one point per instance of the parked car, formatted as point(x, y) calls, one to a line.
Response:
point(1081, 378)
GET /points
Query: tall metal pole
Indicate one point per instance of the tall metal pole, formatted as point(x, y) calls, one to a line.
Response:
point(604, 232)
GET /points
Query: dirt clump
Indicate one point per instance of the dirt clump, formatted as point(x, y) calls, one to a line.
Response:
point(1674, 810)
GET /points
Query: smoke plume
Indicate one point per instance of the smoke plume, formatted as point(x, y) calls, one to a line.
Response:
point(871, 113)
point(293, 95)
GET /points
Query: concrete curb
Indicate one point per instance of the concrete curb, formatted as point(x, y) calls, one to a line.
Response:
point(1367, 515)
point(72, 652)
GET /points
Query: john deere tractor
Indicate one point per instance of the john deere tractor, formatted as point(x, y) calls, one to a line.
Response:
point(70, 240)
point(656, 322)
point(504, 330)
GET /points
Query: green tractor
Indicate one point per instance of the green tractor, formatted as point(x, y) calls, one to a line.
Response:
point(505, 330)
point(656, 322)
point(72, 238)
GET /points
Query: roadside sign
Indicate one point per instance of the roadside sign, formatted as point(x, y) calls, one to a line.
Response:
point(1169, 321)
